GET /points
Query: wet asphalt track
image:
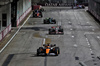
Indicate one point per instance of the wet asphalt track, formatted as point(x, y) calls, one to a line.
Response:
point(80, 42)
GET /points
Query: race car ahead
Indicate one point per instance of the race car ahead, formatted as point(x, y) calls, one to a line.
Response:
point(56, 30)
point(37, 13)
point(47, 49)
point(78, 7)
point(49, 21)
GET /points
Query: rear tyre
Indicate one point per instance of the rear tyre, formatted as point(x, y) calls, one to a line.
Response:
point(44, 21)
point(54, 22)
point(49, 31)
point(61, 30)
point(38, 52)
point(41, 15)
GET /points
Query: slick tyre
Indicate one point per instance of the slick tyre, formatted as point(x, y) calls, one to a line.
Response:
point(49, 31)
point(38, 52)
point(44, 21)
point(58, 50)
point(41, 15)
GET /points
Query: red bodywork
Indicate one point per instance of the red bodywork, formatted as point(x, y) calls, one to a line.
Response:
point(36, 7)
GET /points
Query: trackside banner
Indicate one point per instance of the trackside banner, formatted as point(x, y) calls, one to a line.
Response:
point(23, 15)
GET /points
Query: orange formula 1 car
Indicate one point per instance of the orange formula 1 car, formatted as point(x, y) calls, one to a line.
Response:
point(37, 13)
point(47, 49)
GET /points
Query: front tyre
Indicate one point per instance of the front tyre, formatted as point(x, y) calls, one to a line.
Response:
point(57, 51)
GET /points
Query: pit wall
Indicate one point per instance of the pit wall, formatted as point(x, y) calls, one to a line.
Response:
point(5, 30)
point(23, 9)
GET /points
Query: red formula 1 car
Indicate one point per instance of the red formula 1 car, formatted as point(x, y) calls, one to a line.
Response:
point(56, 30)
point(47, 49)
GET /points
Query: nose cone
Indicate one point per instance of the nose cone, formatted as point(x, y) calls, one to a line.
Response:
point(37, 14)
point(47, 51)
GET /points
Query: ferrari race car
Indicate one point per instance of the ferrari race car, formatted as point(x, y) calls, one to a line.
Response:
point(49, 21)
point(47, 49)
point(56, 30)
point(37, 13)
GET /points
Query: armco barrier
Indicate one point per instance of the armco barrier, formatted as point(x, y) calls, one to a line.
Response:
point(94, 14)
point(0, 36)
point(23, 16)
point(5, 32)
point(9, 27)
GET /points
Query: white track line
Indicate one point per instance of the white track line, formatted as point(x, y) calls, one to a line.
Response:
point(44, 41)
point(98, 37)
point(71, 29)
point(73, 36)
point(14, 35)
point(91, 51)
point(89, 45)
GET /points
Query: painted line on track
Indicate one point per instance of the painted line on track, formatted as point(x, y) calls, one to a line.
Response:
point(71, 29)
point(73, 36)
point(88, 44)
point(14, 35)
point(44, 41)
point(98, 37)
point(45, 61)
point(90, 49)
point(82, 63)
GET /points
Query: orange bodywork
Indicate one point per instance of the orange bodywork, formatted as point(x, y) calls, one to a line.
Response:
point(37, 14)
point(47, 51)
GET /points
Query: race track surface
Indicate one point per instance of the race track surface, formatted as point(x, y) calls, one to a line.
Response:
point(80, 42)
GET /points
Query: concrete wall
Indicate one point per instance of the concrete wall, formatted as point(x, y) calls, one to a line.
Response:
point(19, 8)
point(22, 6)
point(5, 30)
point(5, 9)
point(94, 8)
